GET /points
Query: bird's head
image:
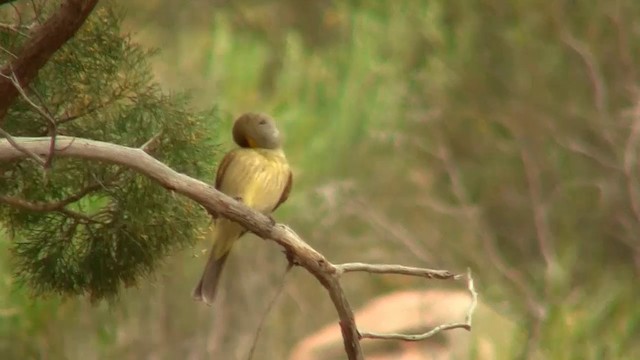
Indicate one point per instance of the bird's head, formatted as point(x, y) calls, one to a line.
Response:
point(253, 130)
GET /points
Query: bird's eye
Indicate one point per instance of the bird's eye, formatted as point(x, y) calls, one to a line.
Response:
point(262, 122)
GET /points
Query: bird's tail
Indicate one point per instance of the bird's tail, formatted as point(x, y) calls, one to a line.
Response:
point(225, 235)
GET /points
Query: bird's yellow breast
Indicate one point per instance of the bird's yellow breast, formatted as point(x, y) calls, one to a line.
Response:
point(257, 176)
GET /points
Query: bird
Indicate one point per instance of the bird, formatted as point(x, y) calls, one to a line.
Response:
point(256, 173)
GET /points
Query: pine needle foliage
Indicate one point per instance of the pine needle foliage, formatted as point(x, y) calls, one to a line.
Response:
point(99, 86)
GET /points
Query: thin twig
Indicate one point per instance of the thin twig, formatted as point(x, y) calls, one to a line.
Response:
point(19, 16)
point(21, 148)
point(43, 207)
point(8, 52)
point(593, 72)
point(396, 269)
point(418, 337)
point(42, 110)
point(268, 310)
point(540, 216)
point(51, 206)
point(13, 28)
point(629, 163)
point(474, 298)
point(53, 126)
point(582, 149)
point(152, 143)
point(86, 111)
point(414, 337)
point(397, 233)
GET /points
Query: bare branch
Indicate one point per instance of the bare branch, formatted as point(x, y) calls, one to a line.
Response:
point(414, 337)
point(45, 40)
point(418, 337)
point(396, 269)
point(298, 252)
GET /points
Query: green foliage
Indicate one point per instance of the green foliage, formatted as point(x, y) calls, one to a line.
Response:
point(99, 86)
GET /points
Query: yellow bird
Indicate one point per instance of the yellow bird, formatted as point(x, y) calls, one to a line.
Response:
point(258, 174)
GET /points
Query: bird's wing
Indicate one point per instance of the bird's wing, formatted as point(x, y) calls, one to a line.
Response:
point(222, 168)
point(286, 191)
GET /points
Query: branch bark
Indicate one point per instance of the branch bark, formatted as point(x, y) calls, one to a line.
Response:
point(396, 269)
point(298, 251)
point(45, 41)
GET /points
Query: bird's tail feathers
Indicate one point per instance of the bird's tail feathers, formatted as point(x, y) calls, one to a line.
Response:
point(226, 233)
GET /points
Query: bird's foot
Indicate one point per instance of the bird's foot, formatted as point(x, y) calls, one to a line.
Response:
point(272, 220)
point(238, 198)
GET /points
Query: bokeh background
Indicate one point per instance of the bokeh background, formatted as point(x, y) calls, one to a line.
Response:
point(496, 135)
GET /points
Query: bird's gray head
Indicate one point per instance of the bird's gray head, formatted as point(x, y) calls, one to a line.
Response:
point(253, 130)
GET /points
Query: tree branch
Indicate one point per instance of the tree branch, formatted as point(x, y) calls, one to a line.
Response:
point(298, 252)
point(395, 269)
point(417, 337)
point(45, 40)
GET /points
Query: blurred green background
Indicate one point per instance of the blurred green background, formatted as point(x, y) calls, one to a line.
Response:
point(496, 135)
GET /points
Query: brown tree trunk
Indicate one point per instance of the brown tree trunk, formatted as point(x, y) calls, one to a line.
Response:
point(45, 40)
